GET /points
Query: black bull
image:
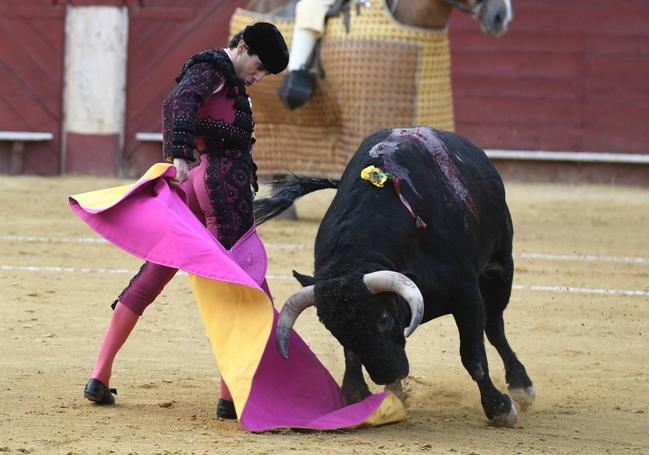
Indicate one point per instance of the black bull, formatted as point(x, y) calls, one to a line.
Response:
point(436, 239)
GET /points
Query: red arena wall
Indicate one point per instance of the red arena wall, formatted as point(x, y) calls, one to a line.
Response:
point(569, 75)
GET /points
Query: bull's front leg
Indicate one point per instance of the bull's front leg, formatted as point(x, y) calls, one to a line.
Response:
point(470, 318)
point(354, 386)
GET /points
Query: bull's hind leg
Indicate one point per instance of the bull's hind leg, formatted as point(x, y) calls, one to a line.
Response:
point(470, 318)
point(495, 287)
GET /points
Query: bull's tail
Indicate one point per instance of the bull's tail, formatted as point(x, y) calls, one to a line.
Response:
point(286, 190)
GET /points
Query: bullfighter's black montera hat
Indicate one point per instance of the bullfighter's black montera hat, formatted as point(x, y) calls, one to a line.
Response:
point(268, 43)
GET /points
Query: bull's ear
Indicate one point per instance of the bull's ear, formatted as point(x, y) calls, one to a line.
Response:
point(305, 280)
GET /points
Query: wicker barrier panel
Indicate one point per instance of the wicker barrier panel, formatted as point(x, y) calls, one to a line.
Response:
point(380, 74)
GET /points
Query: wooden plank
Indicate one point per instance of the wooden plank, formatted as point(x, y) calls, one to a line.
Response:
point(193, 37)
point(147, 51)
point(43, 158)
point(605, 136)
point(52, 31)
point(612, 20)
point(208, 27)
point(16, 158)
point(24, 136)
point(559, 155)
point(522, 137)
point(29, 12)
point(30, 73)
point(28, 3)
point(10, 118)
point(530, 88)
point(521, 64)
point(475, 40)
point(611, 44)
point(581, 4)
point(149, 113)
point(619, 67)
point(36, 57)
point(607, 111)
point(620, 138)
point(171, 3)
point(605, 76)
point(165, 61)
point(158, 12)
point(494, 110)
point(29, 113)
point(144, 33)
point(31, 63)
point(117, 3)
point(629, 89)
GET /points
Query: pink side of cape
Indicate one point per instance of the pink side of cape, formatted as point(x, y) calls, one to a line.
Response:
point(152, 222)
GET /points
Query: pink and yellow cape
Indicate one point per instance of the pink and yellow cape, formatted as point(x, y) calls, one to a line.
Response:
point(150, 220)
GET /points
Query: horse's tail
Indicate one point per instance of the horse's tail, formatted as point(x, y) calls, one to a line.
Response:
point(286, 190)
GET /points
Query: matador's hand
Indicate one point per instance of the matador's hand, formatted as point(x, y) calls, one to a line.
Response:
point(182, 169)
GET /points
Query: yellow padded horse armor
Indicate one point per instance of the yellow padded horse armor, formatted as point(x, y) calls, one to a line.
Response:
point(380, 74)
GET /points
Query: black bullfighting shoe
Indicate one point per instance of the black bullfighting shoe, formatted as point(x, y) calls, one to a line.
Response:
point(98, 392)
point(296, 88)
point(225, 410)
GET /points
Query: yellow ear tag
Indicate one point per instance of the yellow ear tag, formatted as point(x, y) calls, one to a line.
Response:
point(375, 176)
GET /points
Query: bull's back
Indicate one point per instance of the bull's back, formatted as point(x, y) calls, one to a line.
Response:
point(432, 165)
point(448, 181)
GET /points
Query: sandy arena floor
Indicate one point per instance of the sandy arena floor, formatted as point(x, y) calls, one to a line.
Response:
point(586, 349)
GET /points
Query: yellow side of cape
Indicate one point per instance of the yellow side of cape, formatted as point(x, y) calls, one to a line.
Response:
point(100, 199)
point(238, 320)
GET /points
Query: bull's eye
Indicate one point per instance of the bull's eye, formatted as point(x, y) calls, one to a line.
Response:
point(385, 322)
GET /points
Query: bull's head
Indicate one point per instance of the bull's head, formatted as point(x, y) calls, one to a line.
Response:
point(367, 314)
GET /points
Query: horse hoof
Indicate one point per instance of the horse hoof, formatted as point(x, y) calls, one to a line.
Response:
point(507, 419)
point(296, 88)
point(523, 396)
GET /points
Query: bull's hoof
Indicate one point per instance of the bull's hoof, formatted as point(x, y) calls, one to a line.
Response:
point(523, 396)
point(400, 388)
point(355, 394)
point(396, 387)
point(296, 88)
point(507, 419)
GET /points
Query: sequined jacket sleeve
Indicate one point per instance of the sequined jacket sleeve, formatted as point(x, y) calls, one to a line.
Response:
point(180, 108)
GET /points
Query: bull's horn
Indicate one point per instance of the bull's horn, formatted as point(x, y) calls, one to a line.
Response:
point(295, 304)
point(388, 281)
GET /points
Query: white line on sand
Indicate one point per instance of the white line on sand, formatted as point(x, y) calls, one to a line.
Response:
point(299, 246)
point(524, 287)
point(43, 239)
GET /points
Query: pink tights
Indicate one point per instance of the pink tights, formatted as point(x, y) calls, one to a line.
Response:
point(120, 327)
point(121, 324)
point(150, 281)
